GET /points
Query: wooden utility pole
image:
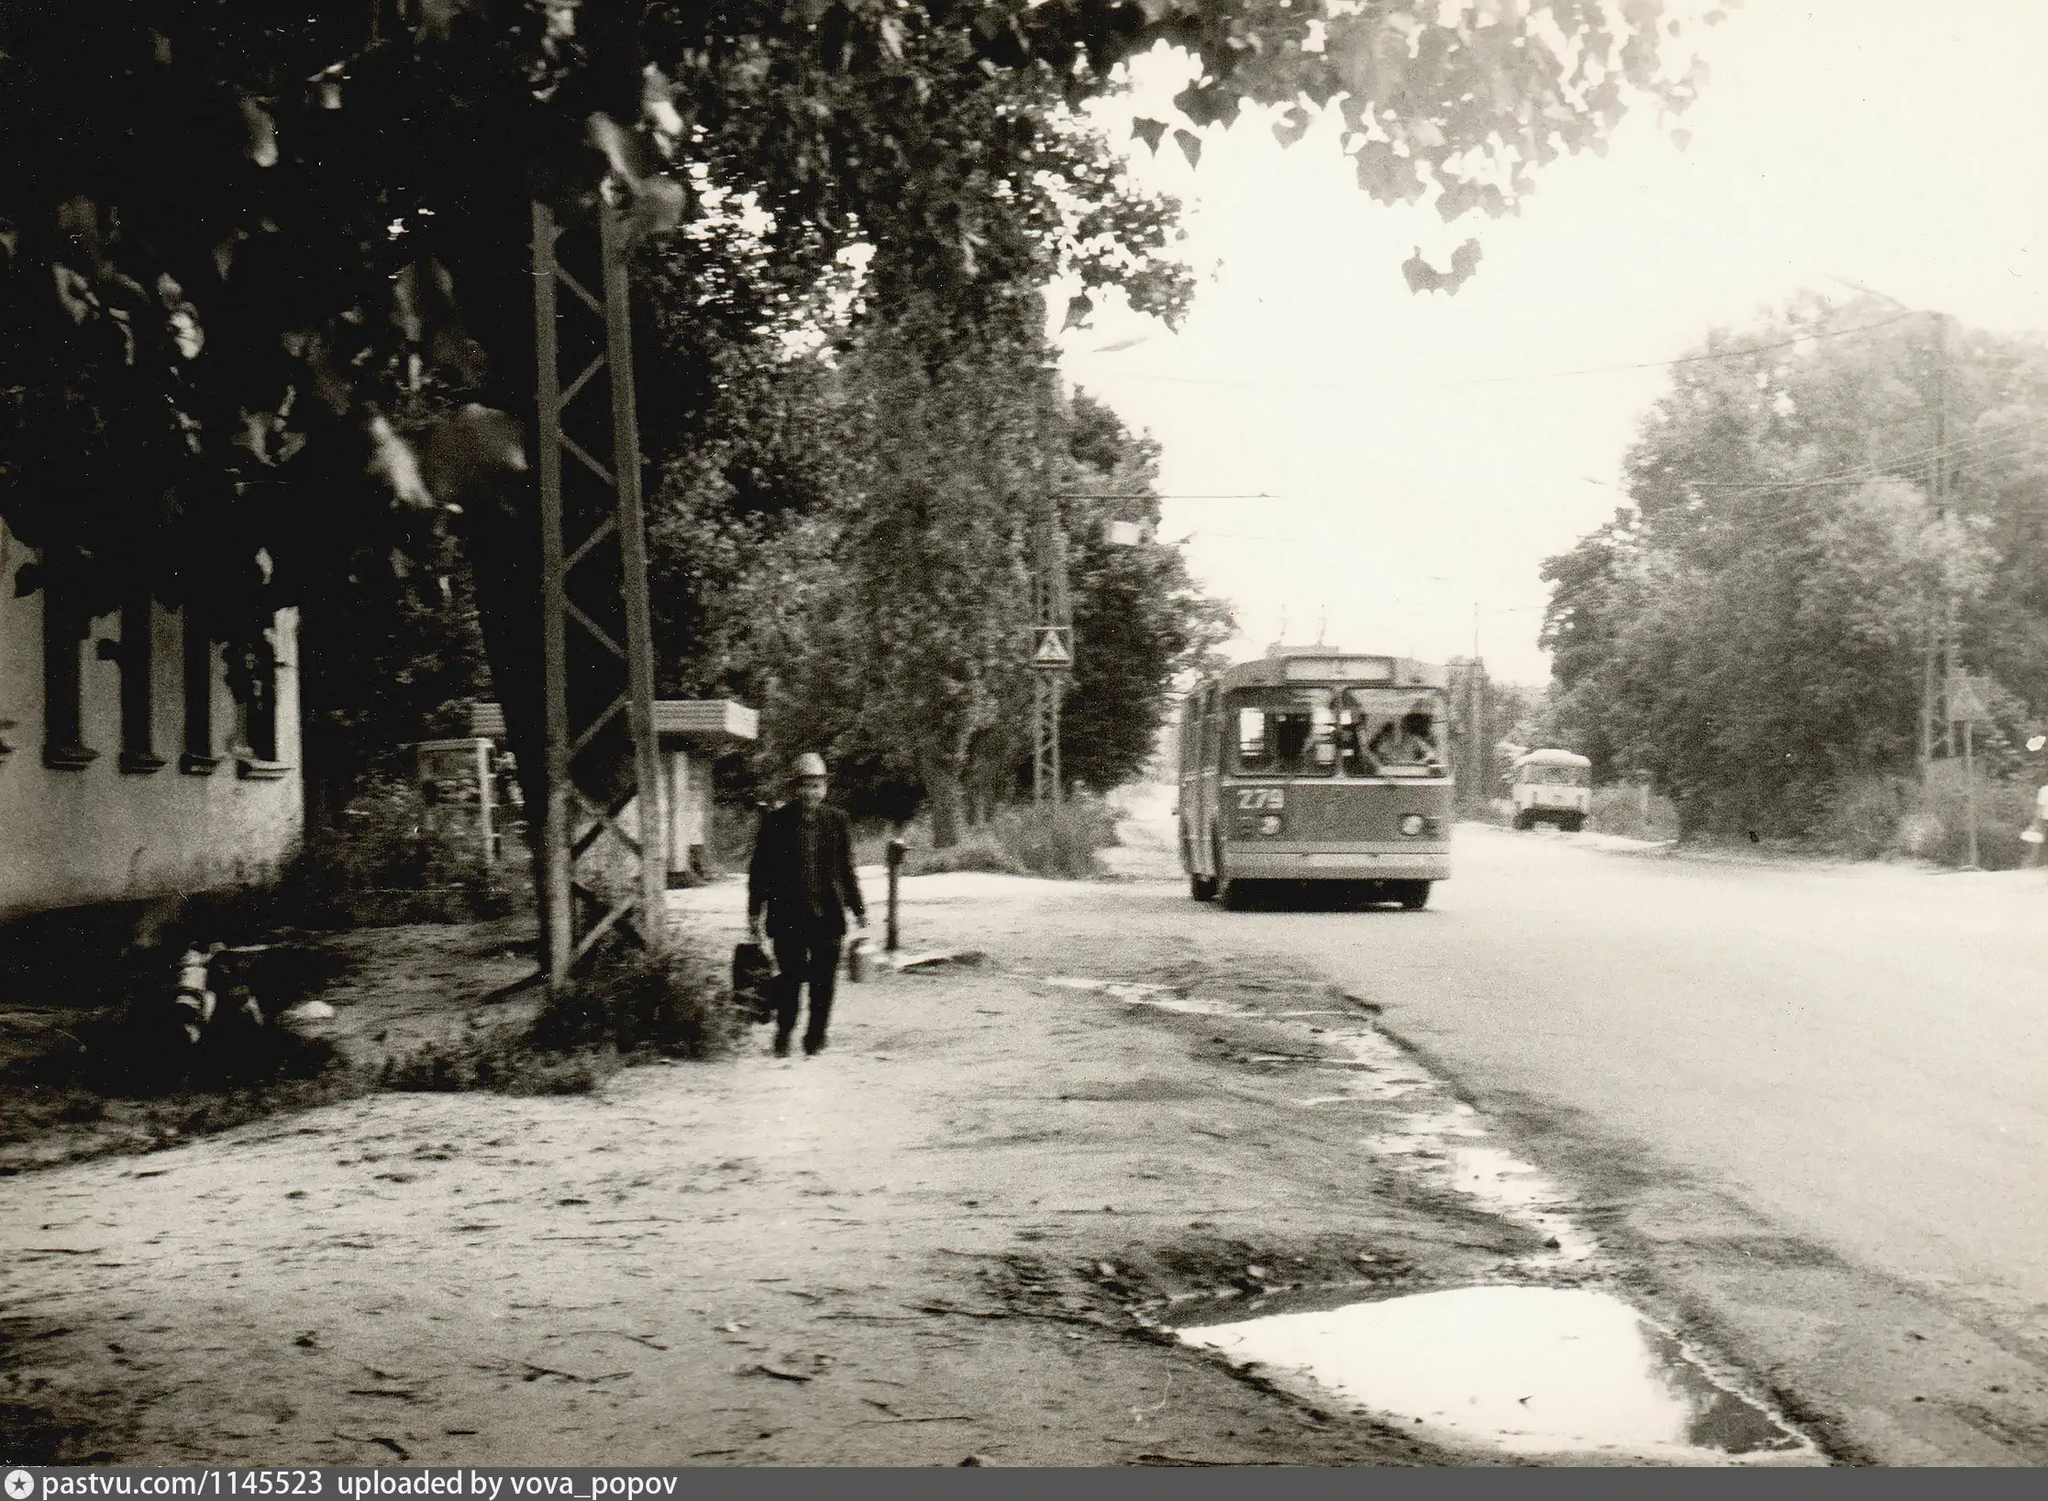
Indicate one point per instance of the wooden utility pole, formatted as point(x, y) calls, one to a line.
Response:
point(593, 520)
point(1967, 700)
point(1941, 470)
point(1938, 665)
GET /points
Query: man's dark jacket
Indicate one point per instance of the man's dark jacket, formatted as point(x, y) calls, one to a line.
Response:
point(775, 879)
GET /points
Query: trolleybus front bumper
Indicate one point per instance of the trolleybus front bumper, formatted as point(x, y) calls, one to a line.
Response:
point(1284, 860)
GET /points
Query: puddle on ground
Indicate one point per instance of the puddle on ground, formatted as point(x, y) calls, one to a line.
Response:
point(1516, 1191)
point(1528, 1370)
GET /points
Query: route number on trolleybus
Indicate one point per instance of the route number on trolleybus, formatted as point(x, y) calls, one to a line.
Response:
point(1261, 799)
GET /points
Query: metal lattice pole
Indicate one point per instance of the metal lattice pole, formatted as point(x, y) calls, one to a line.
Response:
point(1041, 722)
point(653, 822)
point(585, 812)
point(1058, 686)
point(1052, 652)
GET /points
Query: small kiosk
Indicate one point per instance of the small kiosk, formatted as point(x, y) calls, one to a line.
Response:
point(692, 733)
point(457, 784)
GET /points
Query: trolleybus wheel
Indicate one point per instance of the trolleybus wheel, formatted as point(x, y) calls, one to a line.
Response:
point(1414, 895)
point(1573, 822)
point(1521, 822)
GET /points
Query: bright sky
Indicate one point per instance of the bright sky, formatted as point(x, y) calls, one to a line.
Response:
point(1425, 454)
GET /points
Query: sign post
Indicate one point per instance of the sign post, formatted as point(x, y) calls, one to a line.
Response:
point(1052, 649)
point(896, 852)
point(1052, 653)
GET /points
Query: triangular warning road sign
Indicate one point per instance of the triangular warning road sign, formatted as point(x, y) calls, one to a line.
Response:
point(1052, 649)
point(1966, 698)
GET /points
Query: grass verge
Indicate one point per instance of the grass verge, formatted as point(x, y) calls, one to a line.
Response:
point(632, 1006)
point(1060, 843)
point(419, 1007)
point(1875, 817)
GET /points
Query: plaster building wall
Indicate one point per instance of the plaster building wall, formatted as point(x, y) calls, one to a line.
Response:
point(114, 828)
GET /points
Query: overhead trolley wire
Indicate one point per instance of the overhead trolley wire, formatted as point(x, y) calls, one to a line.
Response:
point(1488, 380)
point(1791, 521)
point(2003, 443)
point(1694, 359)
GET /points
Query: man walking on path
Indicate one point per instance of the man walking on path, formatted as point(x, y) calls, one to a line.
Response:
point(800, 887)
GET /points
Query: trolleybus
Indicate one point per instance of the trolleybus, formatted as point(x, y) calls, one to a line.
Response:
point(1313, 764)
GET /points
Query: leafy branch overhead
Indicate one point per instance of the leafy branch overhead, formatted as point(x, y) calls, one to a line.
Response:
point(1465, 99)
point(265, 271)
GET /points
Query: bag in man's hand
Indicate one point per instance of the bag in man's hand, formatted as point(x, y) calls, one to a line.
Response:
point(752, 969)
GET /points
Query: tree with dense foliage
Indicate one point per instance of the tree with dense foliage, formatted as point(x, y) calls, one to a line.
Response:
point(267, 298)
point(889, 627)
point(1753, 629)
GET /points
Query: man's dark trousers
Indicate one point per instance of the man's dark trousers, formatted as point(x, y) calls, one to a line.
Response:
point(805, 956)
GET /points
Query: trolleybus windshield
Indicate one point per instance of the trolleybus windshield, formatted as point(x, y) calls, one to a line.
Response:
point(1308, 730)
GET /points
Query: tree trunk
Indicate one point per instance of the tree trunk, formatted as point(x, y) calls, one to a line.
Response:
point(946, 812)
point(945, 798)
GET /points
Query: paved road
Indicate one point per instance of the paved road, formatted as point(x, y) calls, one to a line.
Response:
point(1863, 1051)
point(1815, 1096)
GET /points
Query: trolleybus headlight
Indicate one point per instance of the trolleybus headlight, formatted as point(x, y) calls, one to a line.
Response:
point(1270, 824)
point(1412, 824)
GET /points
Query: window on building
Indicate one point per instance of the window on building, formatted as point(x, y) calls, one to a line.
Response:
point(64, 630)
point(198, 758)
point(135, 655)
point(253, 672)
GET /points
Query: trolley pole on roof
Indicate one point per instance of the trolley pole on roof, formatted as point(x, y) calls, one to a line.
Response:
point(597, 873)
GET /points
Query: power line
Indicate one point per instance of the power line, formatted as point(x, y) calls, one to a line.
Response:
point(1695, 359)
point(1982, 441)
point(2000, 444)
point(1487, 380)
point(1793, 523)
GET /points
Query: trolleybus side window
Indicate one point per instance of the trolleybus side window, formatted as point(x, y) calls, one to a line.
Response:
point(1254, 751)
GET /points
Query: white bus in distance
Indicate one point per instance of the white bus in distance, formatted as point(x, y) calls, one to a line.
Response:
point(1551, 786)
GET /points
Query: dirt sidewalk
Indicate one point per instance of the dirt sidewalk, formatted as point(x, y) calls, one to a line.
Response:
point(947, 1236)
